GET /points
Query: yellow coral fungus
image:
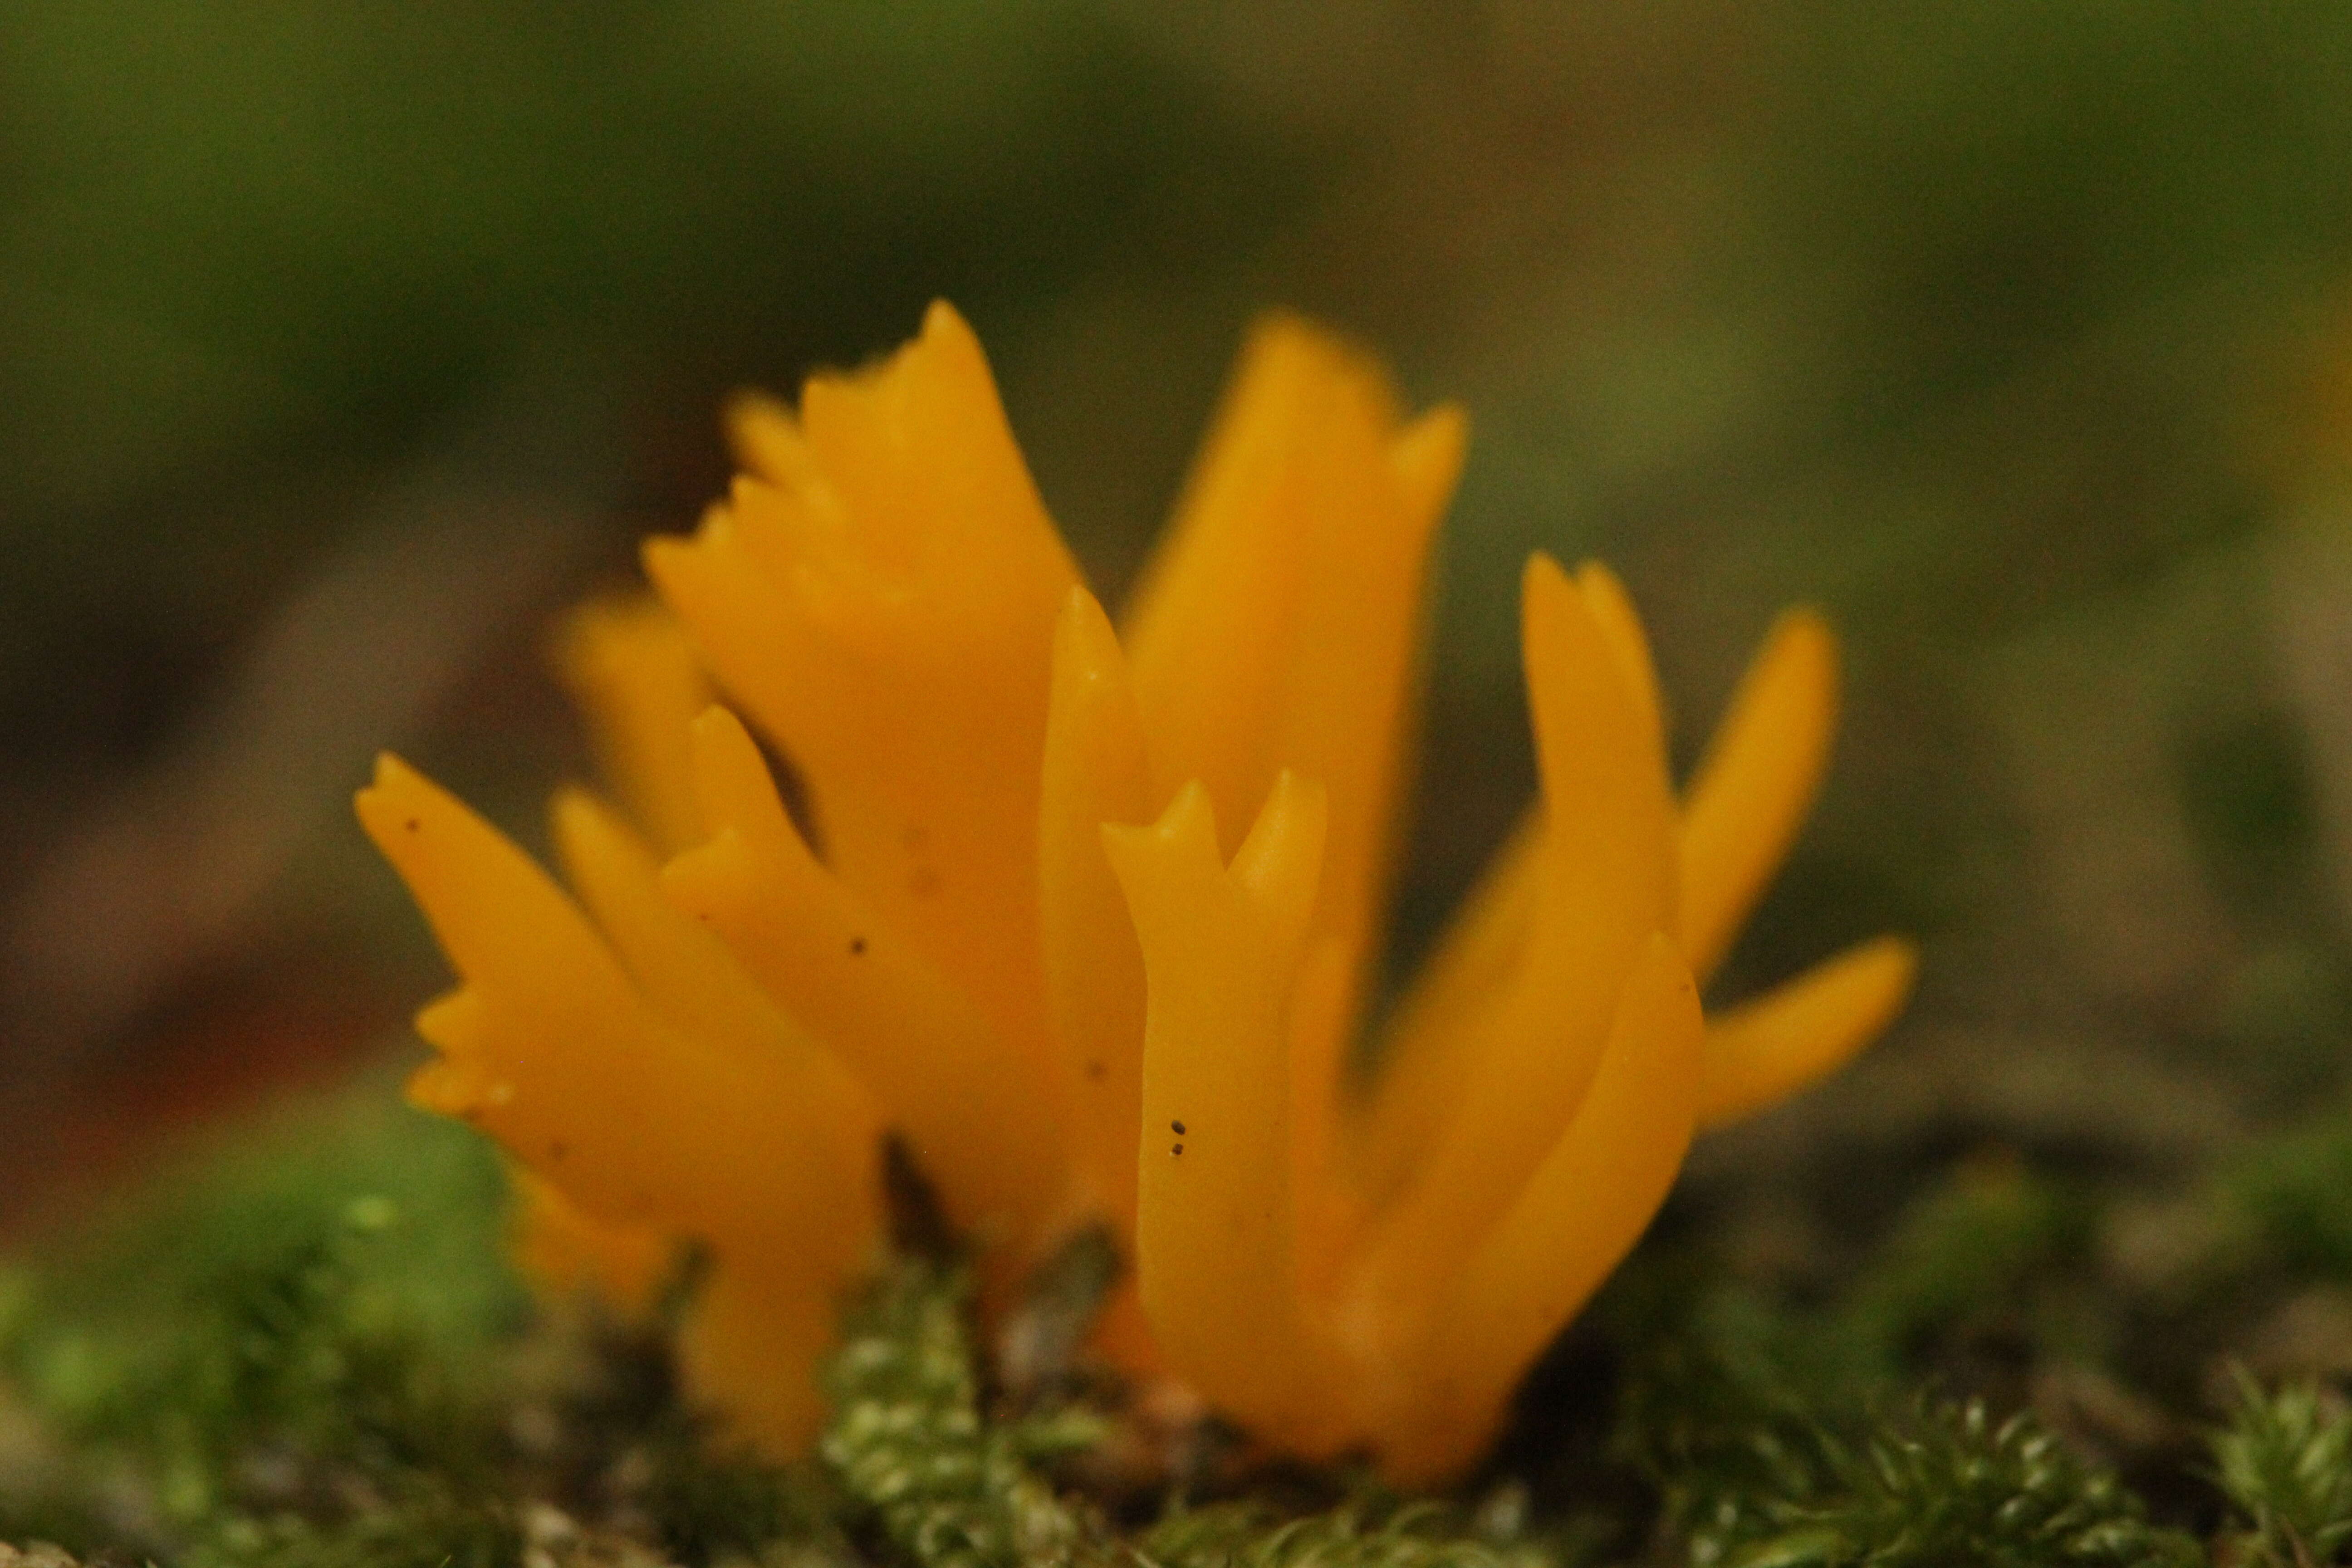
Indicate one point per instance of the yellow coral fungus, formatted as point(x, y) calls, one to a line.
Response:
point(1084, 914)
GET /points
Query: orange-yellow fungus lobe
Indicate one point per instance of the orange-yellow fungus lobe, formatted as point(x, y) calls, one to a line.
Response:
point(888, 622)
point(1606, 859)
point(983, 1127)
point(1757, 782)
point(1278, 625)
point(1428, 1047)
point(1013, 939)
point(1577, 1216)
point(1097, 769)
point(1216, 1249)
point(632, 672)
point(569, 1253)
point(637, 1116)
point(1762, 1051)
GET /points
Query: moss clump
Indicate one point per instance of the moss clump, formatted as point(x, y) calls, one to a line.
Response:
point(2286, 1461)
point(909, 1442)
point(1949, 1485)
point(422, 1527)
point(948, 1487)
point(1371, 1532)
point(1753, 1470)
point(303, 1328)
point(309, 1356)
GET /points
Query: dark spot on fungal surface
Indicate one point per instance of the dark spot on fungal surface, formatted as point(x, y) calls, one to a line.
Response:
point(414, 824)
point(856, 945)
point(1095, 1072)
point(922, 881)
point(1177, 1128)
point(1177, 1149)
point(558, 1150)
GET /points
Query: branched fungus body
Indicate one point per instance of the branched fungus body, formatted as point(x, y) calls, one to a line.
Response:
point(1084, 913)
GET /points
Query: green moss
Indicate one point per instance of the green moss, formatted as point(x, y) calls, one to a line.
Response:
point(2286, 1461)
point(1712, 1414)
point(1372, 1532)
point(308, 1354)
point(1949, 1485)
point(311, 1314)
point(949, 1488)
point(423, 1528)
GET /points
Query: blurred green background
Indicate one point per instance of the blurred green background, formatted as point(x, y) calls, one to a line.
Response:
point(340, 345)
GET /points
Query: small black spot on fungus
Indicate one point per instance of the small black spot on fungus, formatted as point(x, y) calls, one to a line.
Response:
point(1177, 1128)
point(1096, 1071)
point(558, 1150)
point(414, 824)
point(856, 945)
point(1178, 1149)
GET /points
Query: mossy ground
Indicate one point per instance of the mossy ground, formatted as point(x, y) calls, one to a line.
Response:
point(308, 1352)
